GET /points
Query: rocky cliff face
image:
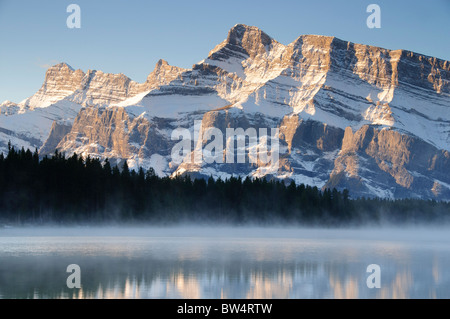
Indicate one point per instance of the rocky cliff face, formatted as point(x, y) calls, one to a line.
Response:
point(397, 165)
point(61, 80)
point(349, 115)
point(95, 87)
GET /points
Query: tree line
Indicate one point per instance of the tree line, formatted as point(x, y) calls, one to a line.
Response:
point(74, 189)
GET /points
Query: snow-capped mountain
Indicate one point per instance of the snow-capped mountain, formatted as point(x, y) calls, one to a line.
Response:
point(352, 116)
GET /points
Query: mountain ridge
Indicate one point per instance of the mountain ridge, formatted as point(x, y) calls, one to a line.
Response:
point(323, 93)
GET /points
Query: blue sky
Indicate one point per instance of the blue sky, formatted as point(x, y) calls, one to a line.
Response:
point(129, 37)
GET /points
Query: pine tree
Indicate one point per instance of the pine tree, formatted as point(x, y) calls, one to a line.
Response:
point(125, 170)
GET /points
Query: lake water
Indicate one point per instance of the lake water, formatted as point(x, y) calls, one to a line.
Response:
point(213, 262)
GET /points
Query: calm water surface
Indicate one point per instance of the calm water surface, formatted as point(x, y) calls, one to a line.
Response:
point(186, 262)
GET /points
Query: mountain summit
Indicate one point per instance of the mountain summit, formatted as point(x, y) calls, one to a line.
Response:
point(354, 116)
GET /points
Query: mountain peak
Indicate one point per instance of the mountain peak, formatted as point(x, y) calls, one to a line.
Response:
point(242, 40)
point(60, 70)
point(163, 73)
point(161, 65)
point(240, 28)
point(7, 102)
point(241, 33)
point(62, 65)
point(161, 62)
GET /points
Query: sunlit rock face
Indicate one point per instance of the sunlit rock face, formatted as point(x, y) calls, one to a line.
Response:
point(348, 115)
point(397, 165)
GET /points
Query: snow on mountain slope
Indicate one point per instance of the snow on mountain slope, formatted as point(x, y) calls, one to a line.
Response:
point(8, 108)
point(31, 128)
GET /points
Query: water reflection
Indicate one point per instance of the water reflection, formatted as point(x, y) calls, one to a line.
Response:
point(194, 267)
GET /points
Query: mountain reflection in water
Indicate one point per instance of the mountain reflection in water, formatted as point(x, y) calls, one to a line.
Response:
point(284, 264)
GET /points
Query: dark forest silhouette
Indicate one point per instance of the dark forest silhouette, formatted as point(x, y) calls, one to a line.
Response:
point(61, 189)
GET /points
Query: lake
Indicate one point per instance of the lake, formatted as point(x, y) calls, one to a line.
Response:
point(224, 262)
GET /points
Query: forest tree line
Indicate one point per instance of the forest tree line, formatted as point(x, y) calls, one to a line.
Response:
point(60, 189)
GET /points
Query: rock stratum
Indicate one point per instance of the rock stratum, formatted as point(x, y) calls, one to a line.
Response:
point(372, 120)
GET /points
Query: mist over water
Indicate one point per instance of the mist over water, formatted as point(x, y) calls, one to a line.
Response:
point(224, 262)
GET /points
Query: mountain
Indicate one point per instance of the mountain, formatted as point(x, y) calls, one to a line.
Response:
point(34, 122)
point(354, 116)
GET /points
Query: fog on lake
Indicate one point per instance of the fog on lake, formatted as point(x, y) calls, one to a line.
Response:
point(224, 262)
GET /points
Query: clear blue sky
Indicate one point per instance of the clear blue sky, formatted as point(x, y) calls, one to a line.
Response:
point(130, 36)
